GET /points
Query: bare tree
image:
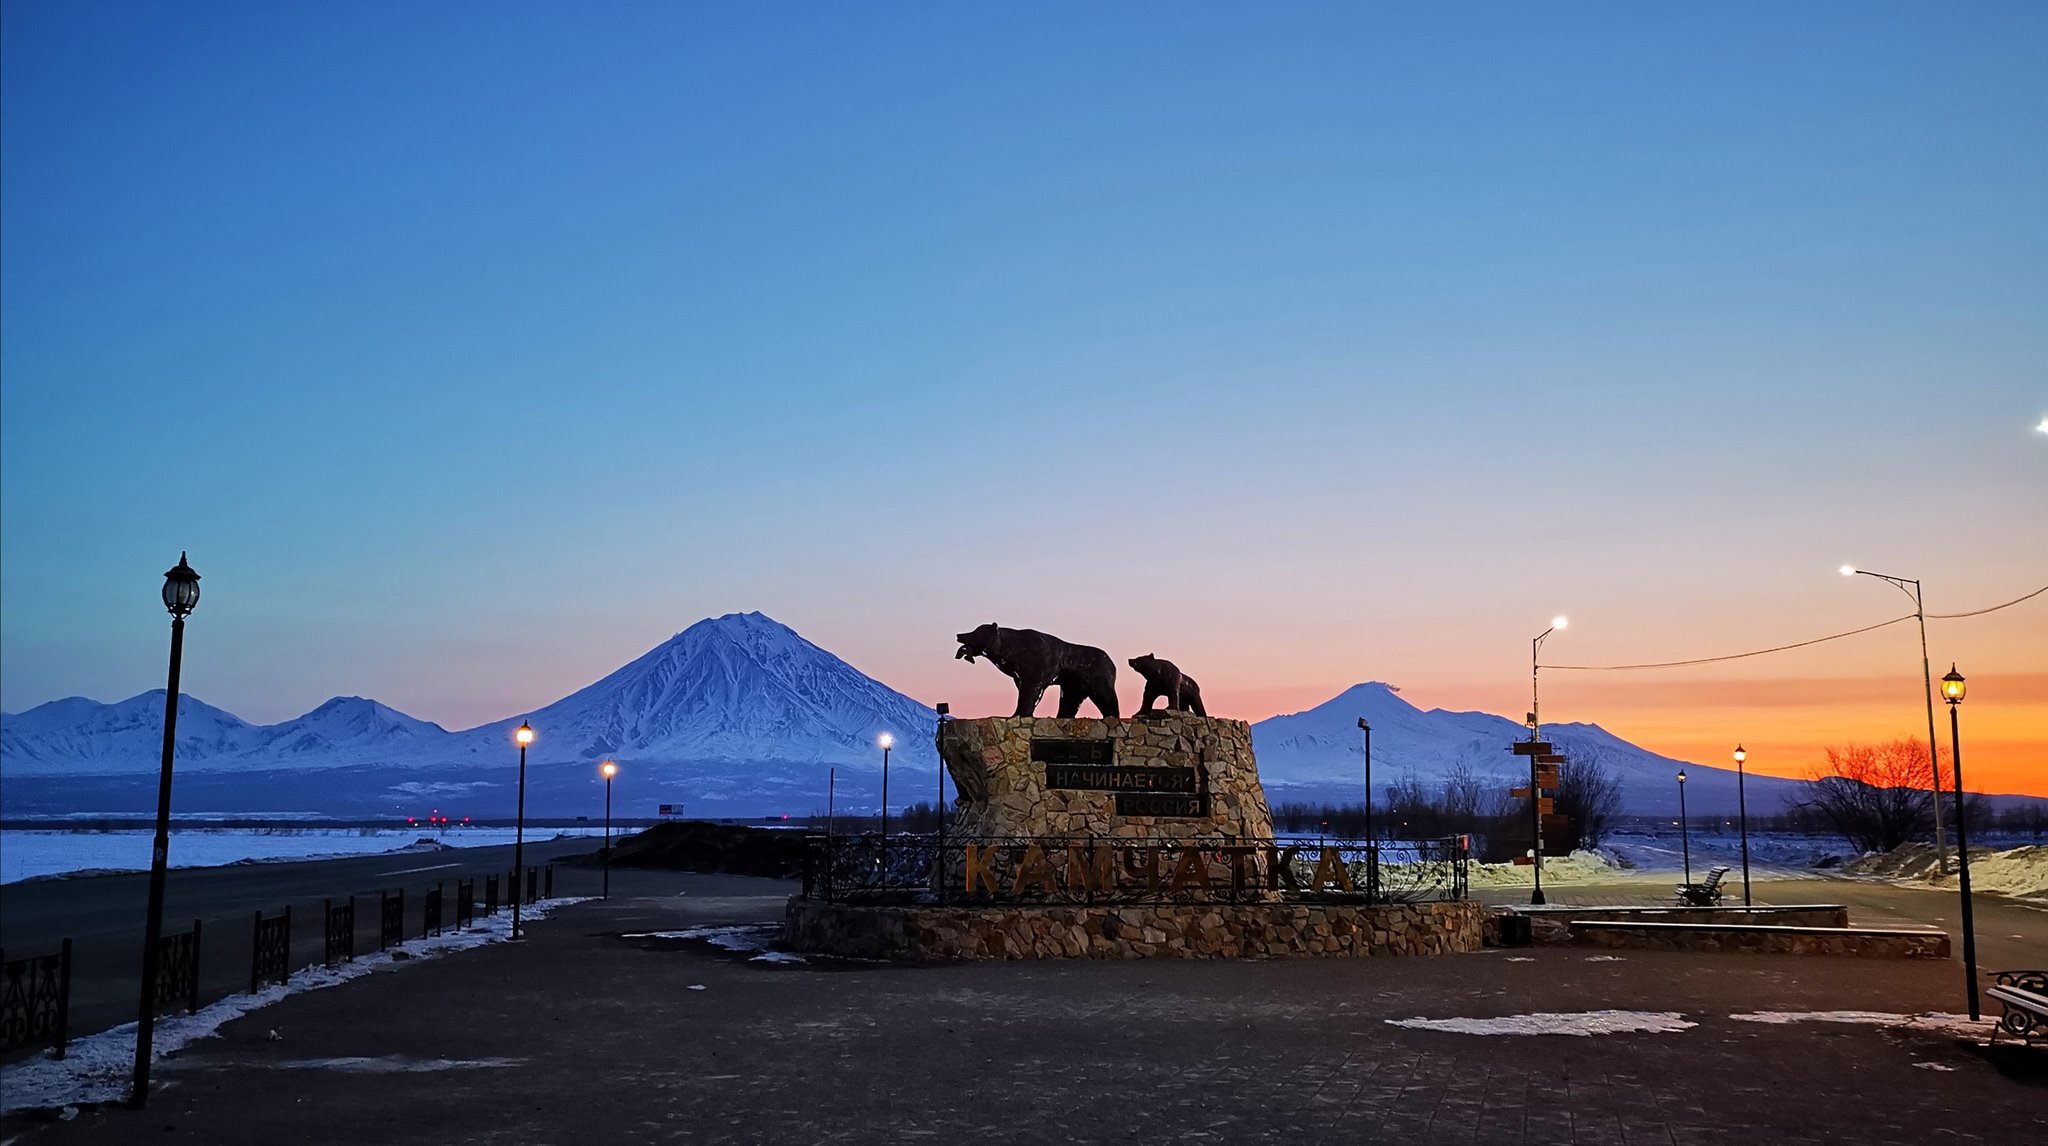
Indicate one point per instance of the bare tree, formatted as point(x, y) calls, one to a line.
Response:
point(1589, 796)
point(1463, 794)
point(1869, 794)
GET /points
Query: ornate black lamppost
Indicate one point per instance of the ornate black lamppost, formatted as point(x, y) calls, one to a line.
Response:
point(524, 736)
point(1742, 814)
point(1952, 689)
point(181, 596)
point(887, 741)
point(610, 770)
point(1367, 730)
point(1684, 831)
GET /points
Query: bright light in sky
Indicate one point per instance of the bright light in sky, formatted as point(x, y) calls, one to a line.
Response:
point(1560, 622)
point(1848, 570)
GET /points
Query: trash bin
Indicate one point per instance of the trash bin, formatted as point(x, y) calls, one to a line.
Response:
point(1514, 930)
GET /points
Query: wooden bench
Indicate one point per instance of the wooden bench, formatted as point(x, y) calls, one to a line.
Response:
point(1705, 893)
point(2024, 994)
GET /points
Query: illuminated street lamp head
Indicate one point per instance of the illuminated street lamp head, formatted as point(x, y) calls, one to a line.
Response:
point(523, 734)
point(609, 769)
point(885, 740)
point(1681, 777)
point(181, 588)
point(1848, 570)
point(1952, 686)
point(1740, 755)
point(1560, 622)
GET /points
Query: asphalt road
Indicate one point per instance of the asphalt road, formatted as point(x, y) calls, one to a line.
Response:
point(103, 915)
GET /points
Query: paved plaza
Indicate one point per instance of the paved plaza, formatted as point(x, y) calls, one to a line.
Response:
point(583, 1034)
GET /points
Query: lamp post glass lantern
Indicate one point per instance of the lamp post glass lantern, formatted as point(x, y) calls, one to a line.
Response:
point(523, 736)
point(1953, 687)
point(1742, 817)
point(180, 596)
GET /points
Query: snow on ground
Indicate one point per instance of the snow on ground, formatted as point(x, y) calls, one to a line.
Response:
point(754, 940)
point(39, 854)
point(97, 1068)
point(1581, 1024)
point(2021, 872)
point(1934, 1022)
point(1578, 867)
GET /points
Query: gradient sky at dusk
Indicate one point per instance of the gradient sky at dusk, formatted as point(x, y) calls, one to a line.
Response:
point(474, 349)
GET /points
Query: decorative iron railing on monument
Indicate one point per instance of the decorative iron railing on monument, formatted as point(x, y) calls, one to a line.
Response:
point(953, 870)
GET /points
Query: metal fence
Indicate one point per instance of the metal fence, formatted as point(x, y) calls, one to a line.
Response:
point(35, 991)
point(35, 1001)
point(926, 869)
point(177, 975)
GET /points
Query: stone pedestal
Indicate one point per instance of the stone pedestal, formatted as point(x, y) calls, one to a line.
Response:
point(1161, 777)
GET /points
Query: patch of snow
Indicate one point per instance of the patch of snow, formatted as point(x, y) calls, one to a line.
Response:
point(1934, 1022)
point(393, 1064)
point(694, 987)
point(1933, 1066)
point(1606, 958)
point(97, 1068)
point(778, 957)
point(1521, 958)
point(1580, 1024)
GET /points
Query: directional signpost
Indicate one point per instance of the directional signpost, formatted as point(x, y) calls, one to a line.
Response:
point(1545, 777)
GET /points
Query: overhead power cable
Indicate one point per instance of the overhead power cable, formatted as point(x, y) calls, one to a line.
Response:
point(1799, 644)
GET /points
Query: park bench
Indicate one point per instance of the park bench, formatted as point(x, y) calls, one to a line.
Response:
point(2024, 994)
point(1705, 893)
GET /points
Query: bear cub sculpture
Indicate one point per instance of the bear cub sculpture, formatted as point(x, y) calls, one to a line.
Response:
point(1037, 661)
point(1163, 679)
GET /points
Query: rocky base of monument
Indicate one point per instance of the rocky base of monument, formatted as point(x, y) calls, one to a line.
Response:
point(1132, 931)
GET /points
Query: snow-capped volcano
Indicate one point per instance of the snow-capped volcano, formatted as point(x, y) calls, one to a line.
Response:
point(737, 688)
point(1319, 754)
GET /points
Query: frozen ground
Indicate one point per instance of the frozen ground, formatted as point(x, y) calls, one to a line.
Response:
point(29, 854)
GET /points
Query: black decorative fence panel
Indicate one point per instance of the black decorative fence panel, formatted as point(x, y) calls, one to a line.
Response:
point(340, 946)
point(491, 895)
point(35, 1001)
point(532, 884)
point(390, 918)
point(430, 912)
point(177, 970)
point(270, 955)
point(912, 869)
point(465, 904)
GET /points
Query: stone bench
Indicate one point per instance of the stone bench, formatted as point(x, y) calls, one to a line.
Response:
point(1789, 915)
point(1765, 939)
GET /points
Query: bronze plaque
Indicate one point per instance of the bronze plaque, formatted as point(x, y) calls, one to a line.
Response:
point(1067, 751)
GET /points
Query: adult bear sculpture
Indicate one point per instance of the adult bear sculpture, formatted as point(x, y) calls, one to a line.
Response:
point(1164, 679)
point(1037, 661)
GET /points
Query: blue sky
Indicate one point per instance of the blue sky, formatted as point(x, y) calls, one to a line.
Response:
point(472, 350)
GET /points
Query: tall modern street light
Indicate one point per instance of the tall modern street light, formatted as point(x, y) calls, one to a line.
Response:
point(887, 741)
point(610, 770)
point(1927, 681)
point(1684, 830)
point(181, 596)
point(524, 735)
point(1535, 648)
point(1742, 814)
point(1535, 734)
point(1952, 689)
point(945, 713)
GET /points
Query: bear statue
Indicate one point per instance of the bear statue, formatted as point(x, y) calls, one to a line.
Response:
point(1037, 661)
point(1164, 679)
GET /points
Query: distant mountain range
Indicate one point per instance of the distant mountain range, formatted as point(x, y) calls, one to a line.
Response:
point(736, 715)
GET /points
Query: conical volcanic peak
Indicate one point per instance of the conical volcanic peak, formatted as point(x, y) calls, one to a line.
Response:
point(736, 688)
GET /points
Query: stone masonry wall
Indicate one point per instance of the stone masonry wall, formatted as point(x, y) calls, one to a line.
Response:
point(1173, 931)
point(1003, 791)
